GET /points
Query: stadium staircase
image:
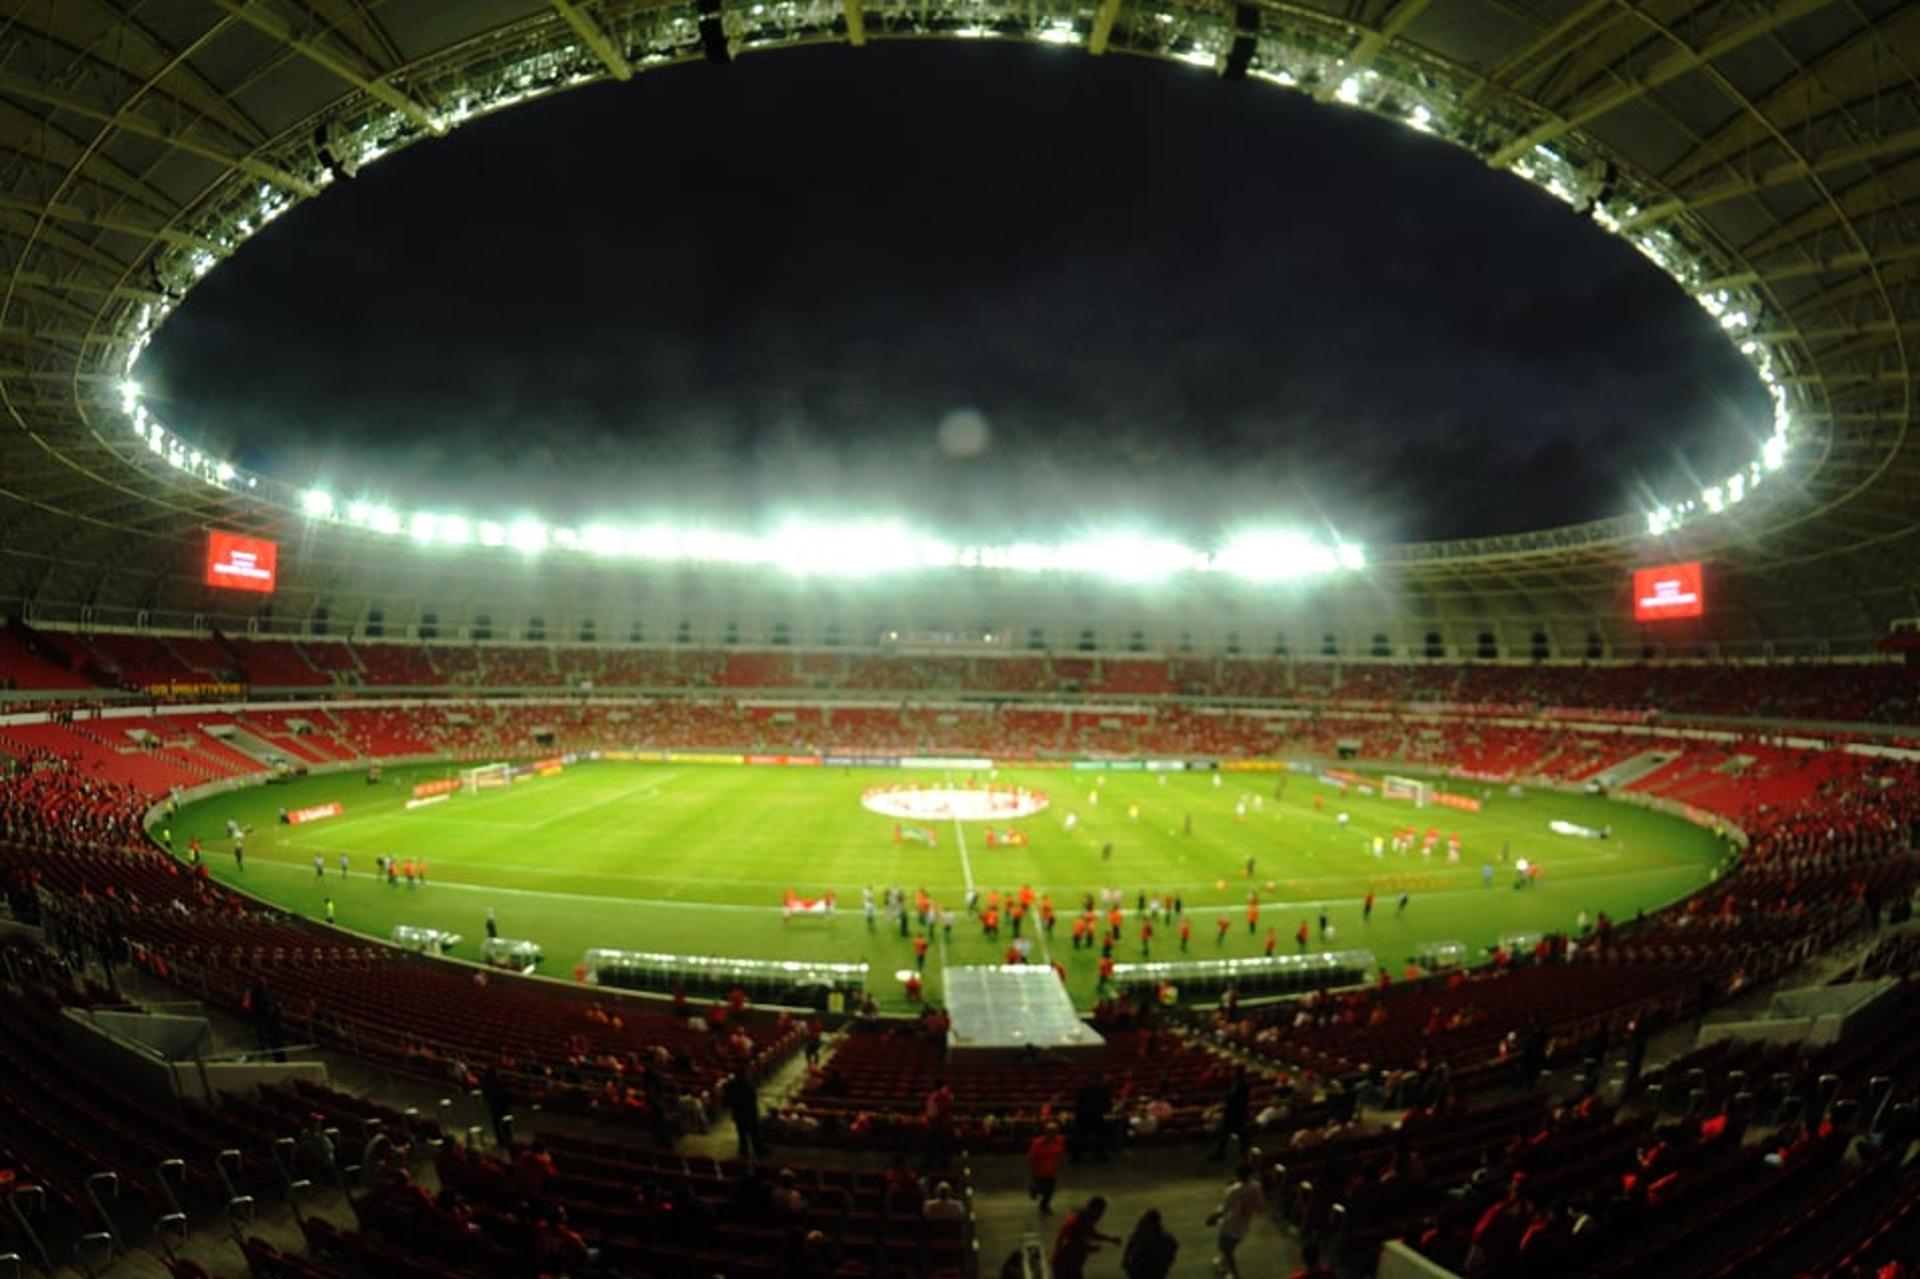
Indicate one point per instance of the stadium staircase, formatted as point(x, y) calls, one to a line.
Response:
point(1622, 774)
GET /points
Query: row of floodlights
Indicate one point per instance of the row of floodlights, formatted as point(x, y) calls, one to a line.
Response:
point(802, 547)
point(854, 550)
point(858, 548)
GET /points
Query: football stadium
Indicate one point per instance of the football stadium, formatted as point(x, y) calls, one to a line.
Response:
point(1164, 821)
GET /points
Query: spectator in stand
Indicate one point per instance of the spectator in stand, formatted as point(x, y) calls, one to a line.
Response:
point(1043, 1164)
point(1091, 1107)
point(1242, 1206)
point(943, 1206)
point(743, 1104)
point(937, 1113)
point(1233, 1116)
point(1150, 1250)
point(1079, 1238)
point(905, 1191)
point(787, 1200)
point(533, 1171)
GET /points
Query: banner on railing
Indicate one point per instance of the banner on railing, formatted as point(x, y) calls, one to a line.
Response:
point(174, 689)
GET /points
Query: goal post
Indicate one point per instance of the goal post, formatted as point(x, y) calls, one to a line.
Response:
point(485, 777)
point(1416, 792)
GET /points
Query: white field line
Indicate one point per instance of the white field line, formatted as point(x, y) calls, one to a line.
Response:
point(966, 866)
point(651, 784)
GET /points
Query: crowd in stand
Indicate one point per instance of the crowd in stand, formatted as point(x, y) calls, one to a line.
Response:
point(1507, 1189)
point(1833, 692)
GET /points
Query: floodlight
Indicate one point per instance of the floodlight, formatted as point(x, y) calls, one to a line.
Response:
point(317, 502)
point(527, 536)
point(1716, 500)
point(421, 527)
point(224, 472)
point(1276, 556)
point(491, 533)
point(853, 549)
point(602, 539)
point(454, 530)
point(1127, 557)
point(1349, 91)
point(129, 395)
point(1773, 454)
point(654, 542)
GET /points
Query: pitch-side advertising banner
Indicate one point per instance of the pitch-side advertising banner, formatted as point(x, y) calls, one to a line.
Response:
point(943, 761)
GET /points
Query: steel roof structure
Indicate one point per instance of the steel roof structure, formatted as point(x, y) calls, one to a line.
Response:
point(1766, 153)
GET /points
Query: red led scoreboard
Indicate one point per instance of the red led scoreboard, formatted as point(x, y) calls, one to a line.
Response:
point(236, 562)
point(1668, 591)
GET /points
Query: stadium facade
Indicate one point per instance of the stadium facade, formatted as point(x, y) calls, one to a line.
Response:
point(1767, 156)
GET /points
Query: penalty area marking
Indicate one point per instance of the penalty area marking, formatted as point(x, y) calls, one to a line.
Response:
point(649, 788)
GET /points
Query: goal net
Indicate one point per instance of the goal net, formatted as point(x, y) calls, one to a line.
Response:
point(1418, 793)
point(485, 777)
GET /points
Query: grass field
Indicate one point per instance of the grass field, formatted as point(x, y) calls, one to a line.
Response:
point(695, 859)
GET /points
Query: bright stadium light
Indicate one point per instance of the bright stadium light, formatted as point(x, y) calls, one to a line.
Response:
point(1279, 556)
point(860, 548)
point(529, 537)
point(454, 530)
point(317, 502)
point(655, 542)
point(491, 533)
point(129, 395)
point(1773, 454)
point(602, 539)
point(421, 527)
point(1129, 557)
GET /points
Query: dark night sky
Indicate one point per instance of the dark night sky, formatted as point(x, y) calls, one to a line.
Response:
point(1178, 303)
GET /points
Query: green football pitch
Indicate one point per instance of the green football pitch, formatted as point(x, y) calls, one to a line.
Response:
point(695, 859)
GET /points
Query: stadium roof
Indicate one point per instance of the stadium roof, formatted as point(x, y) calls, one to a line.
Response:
point(1766, 152)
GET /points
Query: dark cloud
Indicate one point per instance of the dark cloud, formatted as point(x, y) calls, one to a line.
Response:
point(1176, 301)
